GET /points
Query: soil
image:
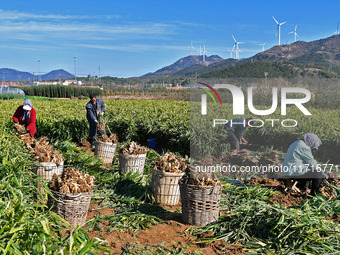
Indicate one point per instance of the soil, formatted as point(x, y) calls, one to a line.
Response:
point(288, 199)
point(335, 218)
point(169, 234)
point(86, 146)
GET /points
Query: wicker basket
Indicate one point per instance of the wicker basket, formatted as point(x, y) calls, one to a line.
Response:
point(200, 205)
point(71, 207)
point(46, 170)
point(165, 187)
point(105, 151)
point(132, 163)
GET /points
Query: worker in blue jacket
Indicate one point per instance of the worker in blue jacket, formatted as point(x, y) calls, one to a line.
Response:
point(235, 129)
point(95, 108)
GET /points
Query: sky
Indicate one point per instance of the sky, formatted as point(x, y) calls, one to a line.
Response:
point(131, 38)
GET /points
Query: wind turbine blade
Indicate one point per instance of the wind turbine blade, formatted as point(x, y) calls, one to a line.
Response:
point(275, 20)
point(296, 34)
point(295, 27)
point(240, 42)
point(291, 32)
point(282, 23)
point(234, 38)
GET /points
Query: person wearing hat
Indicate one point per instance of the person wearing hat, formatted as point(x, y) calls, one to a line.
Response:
point(25, 115)
point(94, 109)
point(234, 129)
point(300, 165)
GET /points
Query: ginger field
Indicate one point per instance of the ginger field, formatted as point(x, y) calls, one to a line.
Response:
point(123, 219)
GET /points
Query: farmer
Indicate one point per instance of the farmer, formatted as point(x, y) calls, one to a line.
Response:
point(94, 109)
point(25, 115)
point(234, 129)
point(300, 165)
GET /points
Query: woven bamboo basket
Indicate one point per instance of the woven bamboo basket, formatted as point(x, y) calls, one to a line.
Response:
point(71, 207)
point(105, 151)
point(132, 163)
point(45, 171)
point(165, 187)
point(200, 205)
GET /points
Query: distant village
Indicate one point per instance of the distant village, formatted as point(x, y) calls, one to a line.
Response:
point(60, 82)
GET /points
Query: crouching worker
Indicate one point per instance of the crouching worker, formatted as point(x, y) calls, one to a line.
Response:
point(25, 115)
point(234, 129)
point(94, 109)
point(300, 165)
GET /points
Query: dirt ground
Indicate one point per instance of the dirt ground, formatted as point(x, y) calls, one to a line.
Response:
point(170, 234)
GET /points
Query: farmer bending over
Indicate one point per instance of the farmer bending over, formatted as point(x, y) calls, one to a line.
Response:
point(234, 130)
point(25, 115)
point(300, 165)
point(94, 109)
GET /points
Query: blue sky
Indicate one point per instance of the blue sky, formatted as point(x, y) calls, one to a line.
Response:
point(131, 38)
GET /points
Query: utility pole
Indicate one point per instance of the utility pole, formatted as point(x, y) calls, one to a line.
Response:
point(99, 74)
point(39, 70)
point(75, 68)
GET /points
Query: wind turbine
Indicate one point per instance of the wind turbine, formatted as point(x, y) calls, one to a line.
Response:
point(279, 28)
point(337, 30)
point(262, 44)
point(236, 47)
point(294, 32)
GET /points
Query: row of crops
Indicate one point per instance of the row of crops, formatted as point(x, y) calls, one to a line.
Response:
point(60, 91)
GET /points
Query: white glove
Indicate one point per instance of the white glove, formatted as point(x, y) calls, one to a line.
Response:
point(96, 121)
point(102, 113)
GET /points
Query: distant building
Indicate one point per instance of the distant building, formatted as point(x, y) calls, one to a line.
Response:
point(8, 90)
point(45, 83)
point(72, 82)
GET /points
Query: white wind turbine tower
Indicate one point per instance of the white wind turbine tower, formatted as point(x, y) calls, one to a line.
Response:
point(237, 55)
point(337, 30)
point(295, 34)
point(191, 48)
point(231, 52)
point(279, 28)
point(262, 44)
point(204, 52)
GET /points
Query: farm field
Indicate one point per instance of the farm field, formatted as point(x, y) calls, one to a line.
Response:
point(255, 218)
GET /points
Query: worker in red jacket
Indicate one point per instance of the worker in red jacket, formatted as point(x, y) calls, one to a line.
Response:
point(25, 115)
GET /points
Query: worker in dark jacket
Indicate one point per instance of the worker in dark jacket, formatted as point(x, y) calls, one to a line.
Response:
point(95, 108)
point(25, 115)
point(235, 130)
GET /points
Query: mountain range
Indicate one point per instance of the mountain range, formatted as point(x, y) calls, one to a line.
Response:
point(309, 58)
point(15, 75)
